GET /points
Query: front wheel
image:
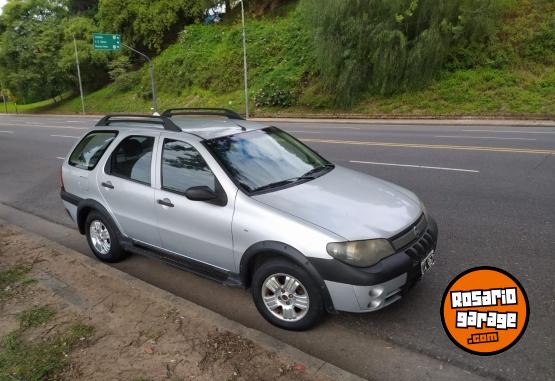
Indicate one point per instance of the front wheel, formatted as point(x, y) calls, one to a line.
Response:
point(286, 295)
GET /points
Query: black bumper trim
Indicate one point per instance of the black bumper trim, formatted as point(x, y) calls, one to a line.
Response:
point(406, 261)
point(69, 197)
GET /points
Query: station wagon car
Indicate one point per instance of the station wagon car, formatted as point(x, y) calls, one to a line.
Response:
point(248, 205)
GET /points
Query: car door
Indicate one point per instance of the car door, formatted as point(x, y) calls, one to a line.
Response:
point(199, 230)
point(126, 185)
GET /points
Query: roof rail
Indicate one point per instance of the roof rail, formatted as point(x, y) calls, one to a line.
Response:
point(139, 118)
point(202, 111)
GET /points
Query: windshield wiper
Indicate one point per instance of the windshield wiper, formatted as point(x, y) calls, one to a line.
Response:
point(310, 175)
point(276, 184)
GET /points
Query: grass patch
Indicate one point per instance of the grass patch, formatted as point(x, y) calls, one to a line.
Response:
point(11, 278)
point(41, 360)
point(34, 317)
point(475, 92)
point(41, 106)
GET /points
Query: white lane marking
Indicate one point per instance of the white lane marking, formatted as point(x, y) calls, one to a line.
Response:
point(60, 158)
point(320, 127)
point(65, 136)
point(7, 132)
point(512, 132)
point(306, 132)
point(17, 125)
point(479, 137)
point(415, 166)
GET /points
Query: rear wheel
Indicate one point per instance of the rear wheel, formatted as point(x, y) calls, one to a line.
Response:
point(286, 295)
point(102, 238)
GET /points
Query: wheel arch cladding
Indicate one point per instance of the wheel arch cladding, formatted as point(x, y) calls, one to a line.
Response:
point(275, 249)
point(85, 207)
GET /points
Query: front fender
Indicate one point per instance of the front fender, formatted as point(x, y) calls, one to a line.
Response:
point(284, 250)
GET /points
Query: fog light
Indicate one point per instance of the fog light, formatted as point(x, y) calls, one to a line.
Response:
point(375, 303)
point(375, 292)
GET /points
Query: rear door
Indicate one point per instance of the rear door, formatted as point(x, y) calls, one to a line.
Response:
point(126, 185)
point(198, 230)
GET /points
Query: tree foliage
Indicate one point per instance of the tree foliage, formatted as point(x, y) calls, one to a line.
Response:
point(145, 24)
point(387, 46)
point(37, 55)
point(29, 47)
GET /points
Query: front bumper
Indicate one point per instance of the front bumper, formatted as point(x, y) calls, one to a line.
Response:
point(354, 289)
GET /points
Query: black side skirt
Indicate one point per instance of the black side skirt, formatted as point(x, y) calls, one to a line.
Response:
point(225, 277)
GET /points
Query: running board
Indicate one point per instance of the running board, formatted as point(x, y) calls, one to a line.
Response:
point(213, 273)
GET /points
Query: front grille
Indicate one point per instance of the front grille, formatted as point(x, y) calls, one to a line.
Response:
point(411, 234)
point(417, 248)
point(421, 247)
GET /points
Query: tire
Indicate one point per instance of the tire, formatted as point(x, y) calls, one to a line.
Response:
point(102, 238)
point(288, 312)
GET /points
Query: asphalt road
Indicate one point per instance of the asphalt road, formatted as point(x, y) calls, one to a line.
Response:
point(491, 189)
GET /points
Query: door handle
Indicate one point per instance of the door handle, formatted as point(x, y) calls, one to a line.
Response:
point(107, 184)
point(165, 202)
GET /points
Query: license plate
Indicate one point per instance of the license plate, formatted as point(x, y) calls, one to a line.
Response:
point(427, 262)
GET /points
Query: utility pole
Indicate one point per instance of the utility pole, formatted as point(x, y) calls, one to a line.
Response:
point(79, 76)
point(245, 61)
point(152, 83)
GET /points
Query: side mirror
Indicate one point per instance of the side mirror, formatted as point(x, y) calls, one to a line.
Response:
point(202, 193)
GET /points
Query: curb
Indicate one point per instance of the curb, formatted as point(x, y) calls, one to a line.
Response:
point(313, 366)
point(533, 121)
point(419, 121)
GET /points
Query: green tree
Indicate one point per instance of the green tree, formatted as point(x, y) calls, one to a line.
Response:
point(386, 46)
point(148, 25)
point(29, 45)
point(93, 63)
point(82, 7)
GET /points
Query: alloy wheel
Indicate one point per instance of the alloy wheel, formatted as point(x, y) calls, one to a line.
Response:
point(285, 297)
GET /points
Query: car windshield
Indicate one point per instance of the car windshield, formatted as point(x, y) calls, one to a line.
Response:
point(267, 159)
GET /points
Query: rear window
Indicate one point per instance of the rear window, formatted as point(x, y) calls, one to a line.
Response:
point(90, 149)
point(132, 159)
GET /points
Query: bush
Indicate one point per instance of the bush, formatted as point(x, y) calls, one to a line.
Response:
point(274, 96)
point(126, 81)
point(389, 46)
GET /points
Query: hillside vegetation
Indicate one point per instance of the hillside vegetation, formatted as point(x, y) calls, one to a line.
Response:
point(503, 64)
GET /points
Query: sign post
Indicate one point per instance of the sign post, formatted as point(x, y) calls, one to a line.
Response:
point(79, 76)
point(151, 71)
point(111, 42)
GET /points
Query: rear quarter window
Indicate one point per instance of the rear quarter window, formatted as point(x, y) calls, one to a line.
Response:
point(90, 149)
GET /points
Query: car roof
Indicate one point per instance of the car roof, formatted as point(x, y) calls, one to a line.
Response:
point(214, 127)
point(203, 127)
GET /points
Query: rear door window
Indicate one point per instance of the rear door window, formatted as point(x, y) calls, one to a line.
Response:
point(132, 159)
point(90, 149)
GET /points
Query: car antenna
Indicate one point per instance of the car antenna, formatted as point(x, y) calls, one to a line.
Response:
point(243, 128)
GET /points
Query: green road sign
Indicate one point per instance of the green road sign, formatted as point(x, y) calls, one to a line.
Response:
point(105, 41)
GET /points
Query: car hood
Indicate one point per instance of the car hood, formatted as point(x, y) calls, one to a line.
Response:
point(348, 203)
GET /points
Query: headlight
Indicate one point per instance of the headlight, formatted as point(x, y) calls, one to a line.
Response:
point(360, 253)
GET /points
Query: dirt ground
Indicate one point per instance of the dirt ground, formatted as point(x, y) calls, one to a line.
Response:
point(137, 336)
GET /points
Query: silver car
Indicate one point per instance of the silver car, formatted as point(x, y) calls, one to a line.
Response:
point(247, 205)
